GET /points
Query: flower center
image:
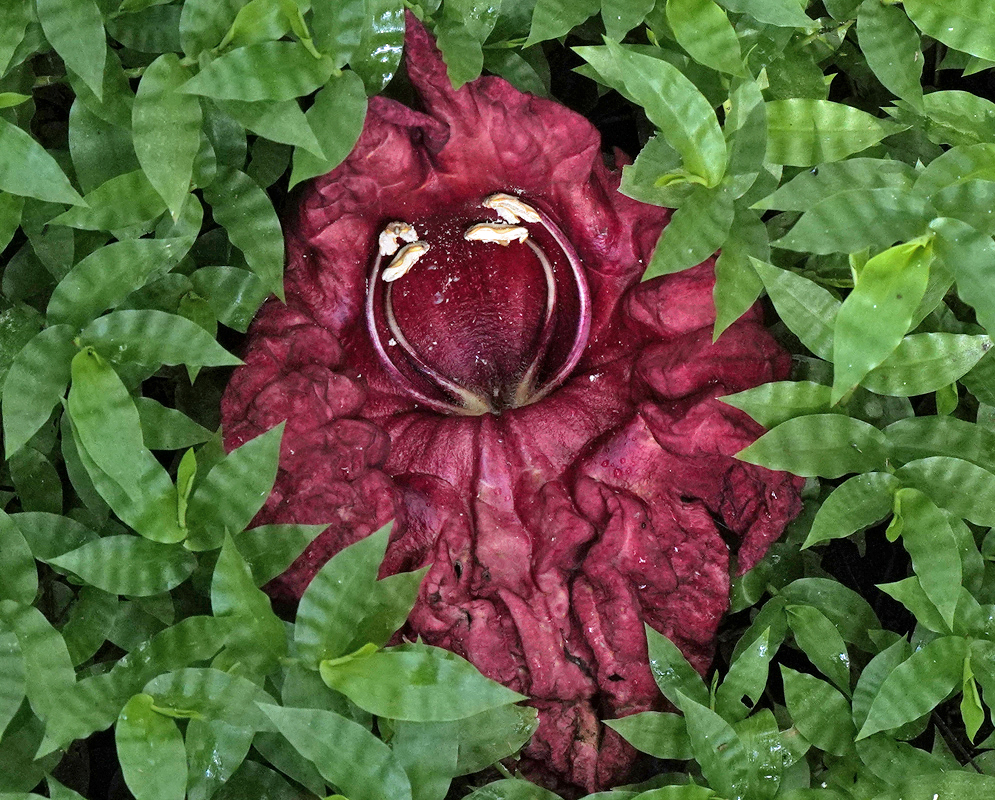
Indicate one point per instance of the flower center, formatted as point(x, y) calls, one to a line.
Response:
point(478, 309)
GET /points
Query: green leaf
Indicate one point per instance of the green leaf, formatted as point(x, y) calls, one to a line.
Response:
point(281, 121)
point(487, 737)
point(890, 43)
point(820, 713)
point(154, 338)
point(675, 106)
point(337, 27)
point(253, 779)
point(917, 685)
point(718, 750)
point(150, 749)
point(460, 34)
point(205, 693)
point(337, 117)
point(120, 202)
point(12, 681)
point(703, 29)
point(75, 29)
point(165, 428)
point(957, 166)
point(855, 504)
point(782, 13)
point(807, 308)
point(852, 616)
point(269, 549)
point(697, 229)
point(214, 751)
point(661, 734)
point(958, 117)
point(35, 384)
point(737, 285)
point(773, 403)
point(26, 169)
point(968, 202)
point(17, 16)
point(876, 315)
point(262, 71)
point(810, 187)
point(129, 565)
point(962, 784)
point(511, 789)
point(36, 481)
point(657, 163)
point(166, 125)
point(427, 751)
point(415, 682)
point(963, 25)
point(11, 207)
point(826, 445)
point(909, 593)
point(233, 294)
point(747, 676)
point(847, 222)
point(926, 362)
point(555, 18)
point(151, 30)
point(821, 642)
point(18, 575)
point(345, 753)
point(229, 496)
point(962, 488)
point(672, 672)
point(89, 624)
point(378, 55)
point(246, 213)
point(804, 132)
point(970, 255)
point(621, 16)
point(930, 541)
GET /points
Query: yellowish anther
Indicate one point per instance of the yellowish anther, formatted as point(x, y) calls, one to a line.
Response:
point(393, 232)
point(496, 233)
point(405, 259)
point(510, 208)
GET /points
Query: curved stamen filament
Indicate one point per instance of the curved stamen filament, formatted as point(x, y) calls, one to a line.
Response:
point(523, 393)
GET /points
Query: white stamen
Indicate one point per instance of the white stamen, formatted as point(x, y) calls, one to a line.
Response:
point(496, 233)
point(393, 232)
point(404, 261)
point(511, 209)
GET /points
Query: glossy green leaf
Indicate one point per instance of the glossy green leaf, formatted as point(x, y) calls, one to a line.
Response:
point(850, 221)
point(166, 125)
point(657, 163)
point(89, 623)
point(876, 315)
point(697, 229)
point(703, 29)
point(671, 670)
point(210, 694)
point(807, 308)
point(229, 496)
point(337, 27)
point(427, 751)
point(963, 25)
point(850, 613)
point(554, 18)
point(855, 504)
point(804, 132)
point(17, 16)
point(26, 169)
point(246, 213)
point(718, 750)
point(782, 13)
point(18, 575)
point(150, 749)
point(822, 643)
point(345, 753)
point(677, 108)
point(12, 681)
point(460, 34)
point(917, 685)
point(773, 403)
point(970, 202)
point(970, 255)
point(621, 16)
point(125, 200)
point(336, 117)
point(262, 71)
point(129, 565)
point(252, 778)
point(270, 549)
point(962, 784)
point(378, 55)
point(747, 677)
point(281, 121)
point(957, 166)
point(923, 437)
point(962, 488)
point(165, 428)
point(11, 206)
point(511, 789)
point(909, 593)
point(75, 29)
point(35, 384)
point(487, 737)
point(204, 23)
point(214, 751)
point(661, 734)
point(826, 445)
point(810, 187)
point(959, 118)
point(233, 294)
point(154, 338)
point(737, 285)
point(926, 362)
point(935, 553)
point(818, 710)
point(890, 43)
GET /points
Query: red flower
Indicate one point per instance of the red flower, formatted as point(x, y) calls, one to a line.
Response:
point(542, 425)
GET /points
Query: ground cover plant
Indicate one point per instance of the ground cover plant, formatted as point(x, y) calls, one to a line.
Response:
point(839, 154)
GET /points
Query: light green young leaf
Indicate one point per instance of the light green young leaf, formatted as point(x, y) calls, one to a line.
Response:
point(855, 504)
point(555, 18)
point(150, 749)
point(718, 750)
point(917, 685)
point(661, 734)
point(962, 488)
point(26, 169)
point(970, 202)
point(876, 315)
point(804, 132)
point(129, 565)
point(337, 117)
point(963, 25)
point(773, 403)
point(810, 187)
point(165, 428)
point(75, 29)
point(822, 643)
point(807, 308)
point(280, 121)
point(825, 445)
point(970, 255)
point(782, 13)
point(229, 496)
point(120, 202)
point(269, 549)
point(621, 16)
point(166, 125)
point(672, 672)
point(262, 71)
point(206, 693)
point(909, 593)
point(890, 43)
point(246, 213)
point(416, 682)
point(697, 229)
point(957, 166)
point(926, 362)
point(737, 285)
point(345, 753)
point(703, 29)
point(923, 437)
point(819, 711)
